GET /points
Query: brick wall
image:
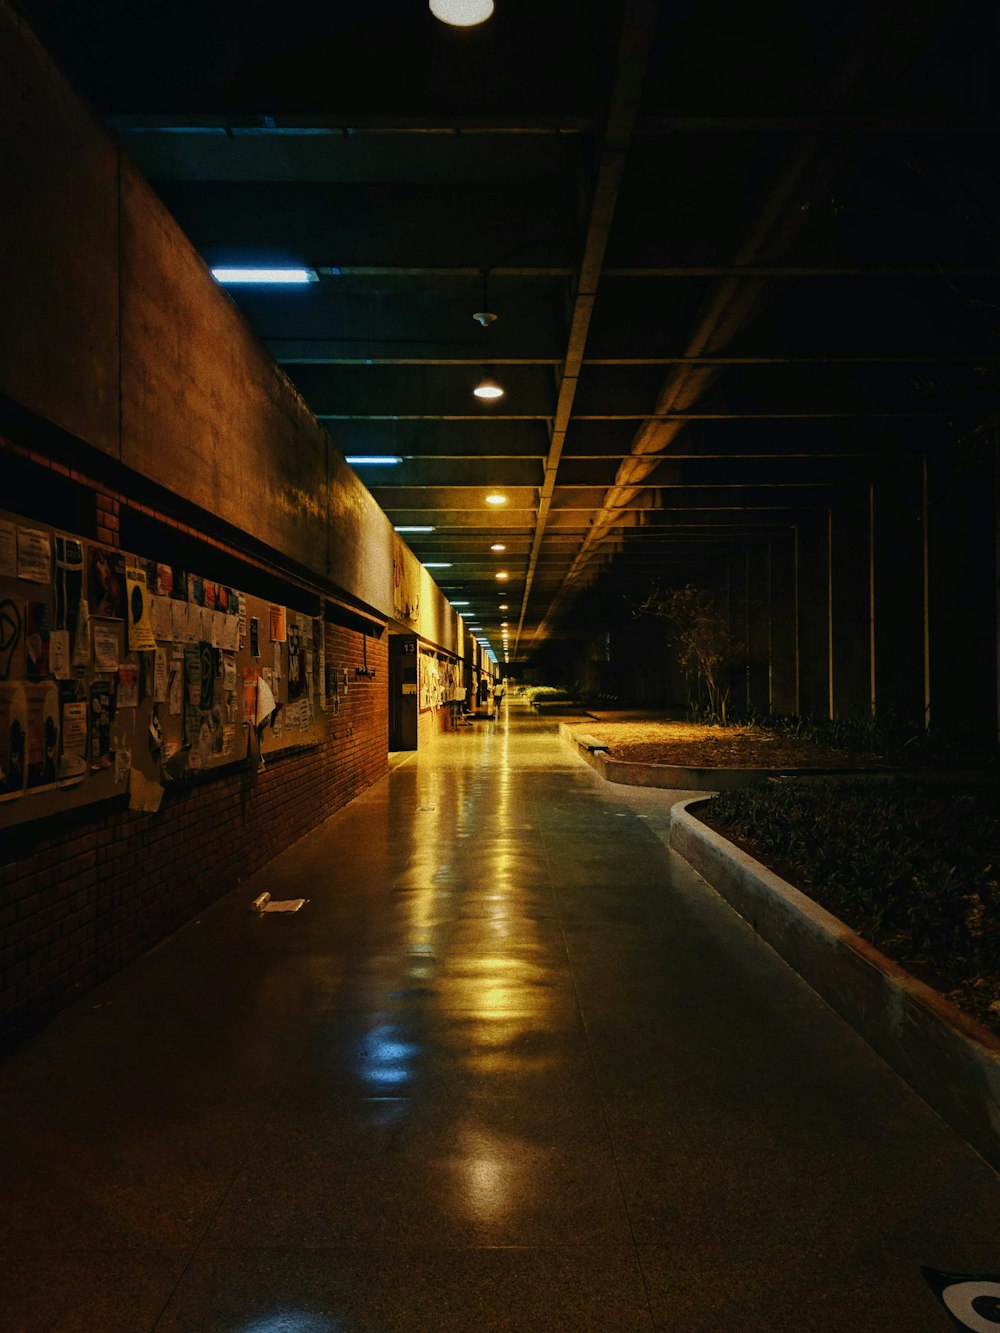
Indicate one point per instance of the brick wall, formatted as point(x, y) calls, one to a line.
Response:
point(430, 724)
point(85, 895)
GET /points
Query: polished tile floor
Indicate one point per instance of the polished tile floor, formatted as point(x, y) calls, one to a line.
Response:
point(514, 1067)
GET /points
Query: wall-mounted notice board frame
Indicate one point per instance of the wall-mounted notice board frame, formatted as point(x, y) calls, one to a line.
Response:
point(119, 673)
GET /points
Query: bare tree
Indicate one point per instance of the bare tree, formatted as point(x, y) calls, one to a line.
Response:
point(700, 634)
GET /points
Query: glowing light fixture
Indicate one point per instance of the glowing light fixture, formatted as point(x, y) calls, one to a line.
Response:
point(462, 13)
point(437, 564)
point(232, 277)
point(495, 498)
point(372, 460)
point(489, 387)
point(412, 527)
point(504, 606)
point(502, 574)
point(498, 546)
point(461, 603)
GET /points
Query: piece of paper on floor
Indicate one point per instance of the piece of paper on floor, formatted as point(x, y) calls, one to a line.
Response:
point(287, 905)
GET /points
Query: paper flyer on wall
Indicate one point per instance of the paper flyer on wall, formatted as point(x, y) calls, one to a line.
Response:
point(277, 624)
point(37, 636)
point(34, 555)
point(102, 714)
point(140, 630)
point(43, 734)
point(60, 663)
point(12, 614)
point(106, 650)
point(128, 687)
point(69, 582)
point(160, 676)
point(161, 619)
point(74, 728)
point(13, 741)
point(8, 549)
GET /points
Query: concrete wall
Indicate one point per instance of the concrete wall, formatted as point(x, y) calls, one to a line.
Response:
point(114, 330)
point(133, 393)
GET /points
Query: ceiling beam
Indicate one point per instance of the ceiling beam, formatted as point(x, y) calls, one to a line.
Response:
point(635, 44)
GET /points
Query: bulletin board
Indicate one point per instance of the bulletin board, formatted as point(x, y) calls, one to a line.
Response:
point(439, 680)
point(119, 674)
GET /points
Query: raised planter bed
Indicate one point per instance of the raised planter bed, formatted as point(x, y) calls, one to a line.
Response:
point(949, 1059)
point(683, 777)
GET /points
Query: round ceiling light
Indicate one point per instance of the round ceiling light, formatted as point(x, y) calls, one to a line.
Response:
point(496, 499)
point(498, 546)
point(489, 387)
point(462, 13)
point(503, 575)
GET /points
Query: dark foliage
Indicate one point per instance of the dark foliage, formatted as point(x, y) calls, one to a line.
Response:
point(912, 866)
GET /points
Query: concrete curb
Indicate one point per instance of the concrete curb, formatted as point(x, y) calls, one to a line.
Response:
point(678, 775)
point(952, 1062)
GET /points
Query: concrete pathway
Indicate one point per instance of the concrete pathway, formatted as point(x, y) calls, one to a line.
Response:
point(514, 1067)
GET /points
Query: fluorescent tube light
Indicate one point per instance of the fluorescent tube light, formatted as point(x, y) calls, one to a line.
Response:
point(372, 460)
point(412, 527)
point(244, 276)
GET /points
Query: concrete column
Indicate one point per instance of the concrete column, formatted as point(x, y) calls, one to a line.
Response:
point(782, 626)
point(850, 616)
point(812, 593)
point(962, 587)
point(897, 582)
point(759, 613)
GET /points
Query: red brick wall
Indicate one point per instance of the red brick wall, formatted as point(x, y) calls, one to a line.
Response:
point(84, 896)
point(430, 724)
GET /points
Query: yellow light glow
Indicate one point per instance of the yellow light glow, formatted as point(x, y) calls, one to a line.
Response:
point(502, 574)
point(498, 546)
point(496, 499)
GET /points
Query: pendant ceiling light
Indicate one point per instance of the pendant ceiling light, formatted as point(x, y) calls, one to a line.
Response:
point(462, 13)
point(489, 386)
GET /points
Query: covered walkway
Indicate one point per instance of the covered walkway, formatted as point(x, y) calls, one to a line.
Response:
point(514, 1067)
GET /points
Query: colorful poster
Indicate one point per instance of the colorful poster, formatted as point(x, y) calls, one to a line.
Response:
point(140, 629)
point(37, 636)
point(164, 585)
point(34, 555)
point(13, 740)
point(43, 734)
point(250, 678)
point(278, 625)
point(105, 583)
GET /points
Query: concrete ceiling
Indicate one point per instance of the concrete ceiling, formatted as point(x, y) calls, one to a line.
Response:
point(743, 256)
